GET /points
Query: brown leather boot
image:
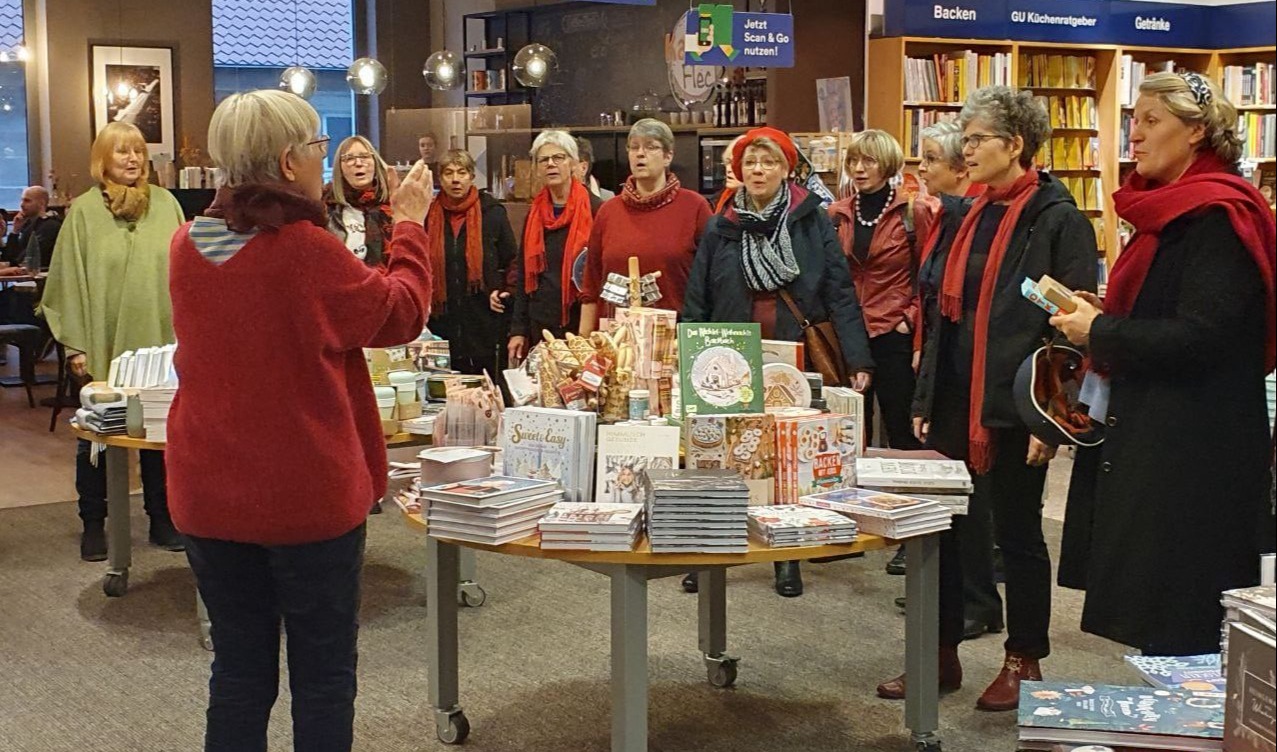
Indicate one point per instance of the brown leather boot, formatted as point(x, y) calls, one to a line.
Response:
point(1004, 692)
point(950, 676)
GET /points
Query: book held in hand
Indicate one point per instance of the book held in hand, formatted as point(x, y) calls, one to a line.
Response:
point(1049, 295)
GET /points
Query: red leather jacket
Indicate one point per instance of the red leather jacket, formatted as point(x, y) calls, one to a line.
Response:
point(886, 282)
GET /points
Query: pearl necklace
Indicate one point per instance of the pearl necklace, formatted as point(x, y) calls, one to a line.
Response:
point(867, 223)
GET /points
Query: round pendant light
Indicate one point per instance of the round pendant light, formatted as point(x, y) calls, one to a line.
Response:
point(366, 76)
point(535, 64)
point(442, 70)
point(300, 80)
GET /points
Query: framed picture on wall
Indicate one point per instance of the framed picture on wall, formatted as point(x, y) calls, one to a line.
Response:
point(135, 85)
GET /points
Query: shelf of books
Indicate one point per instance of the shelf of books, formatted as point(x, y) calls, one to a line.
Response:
point(1088, 91)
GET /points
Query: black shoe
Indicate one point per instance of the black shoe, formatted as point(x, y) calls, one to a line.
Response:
point(900, 603)
point(789, 579)
point(897, 563)
point(93, 542)
point(692, 582)
point(376, 507)
point(973, 628)
point(164, 535)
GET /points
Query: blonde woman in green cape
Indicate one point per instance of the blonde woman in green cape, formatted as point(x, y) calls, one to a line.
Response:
point(107, 292)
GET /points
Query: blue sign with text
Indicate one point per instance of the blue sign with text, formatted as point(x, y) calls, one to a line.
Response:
point(717, 34)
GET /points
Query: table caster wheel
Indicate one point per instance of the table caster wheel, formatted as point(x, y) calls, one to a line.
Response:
point(927, 746)
point(722, 672)
point(116, 584)
point(472, 595)
point(456, 730)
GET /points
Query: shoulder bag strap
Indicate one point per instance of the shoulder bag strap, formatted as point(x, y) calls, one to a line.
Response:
point(802, 320)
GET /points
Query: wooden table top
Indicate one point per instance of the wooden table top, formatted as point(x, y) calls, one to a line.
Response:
point(128, 442)
point(642, 554)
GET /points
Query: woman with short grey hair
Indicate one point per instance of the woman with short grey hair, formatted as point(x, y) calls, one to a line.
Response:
point(585, 169)
point(656, 220)
point(1024, 225)
point(270, 484)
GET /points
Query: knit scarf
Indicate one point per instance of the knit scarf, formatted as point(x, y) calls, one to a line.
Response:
point(437, 228)
point(576, 216)
point(378, 221)
point(632, 199)
point(1019, 193)
point(264, 207)
point(127, 202)
point(767, 257)
point(1150, 207)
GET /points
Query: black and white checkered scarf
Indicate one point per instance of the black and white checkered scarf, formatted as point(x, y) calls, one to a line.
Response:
point(767, 256)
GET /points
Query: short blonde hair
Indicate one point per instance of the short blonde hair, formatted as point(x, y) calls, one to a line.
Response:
point(731, 149)
point(1217, 115)
point(111, 138)
point(879, 146)
point(380, 184)
point(766, 144)
point(458, 157)
point(249, 131)
point(556, 137)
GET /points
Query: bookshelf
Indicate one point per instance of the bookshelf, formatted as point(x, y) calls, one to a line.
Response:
point(1086, 101)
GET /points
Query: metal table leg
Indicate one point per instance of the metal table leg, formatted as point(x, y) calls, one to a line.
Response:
point(119, 542)
point(469, 592)
point(442, 570)
point(629, 658)
point(206, 625)
point(712, 623)
point(922, 641)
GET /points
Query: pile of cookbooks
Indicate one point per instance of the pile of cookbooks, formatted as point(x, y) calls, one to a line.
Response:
point(493, 510)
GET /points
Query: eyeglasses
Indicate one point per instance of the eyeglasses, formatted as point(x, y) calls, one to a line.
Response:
point(976, 140)
point(862, 159)
point(931, 159)
point(353, 158)
point(766, 164)
point(554, 159)
point(322, 143)
point(645, 148)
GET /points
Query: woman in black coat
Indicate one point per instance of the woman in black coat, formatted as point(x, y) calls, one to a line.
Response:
point(1169, 511)
point(774, 235)
point(472, 248)
point(1025, 225)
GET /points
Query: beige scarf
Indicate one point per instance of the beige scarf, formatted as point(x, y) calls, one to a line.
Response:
point(127, 202)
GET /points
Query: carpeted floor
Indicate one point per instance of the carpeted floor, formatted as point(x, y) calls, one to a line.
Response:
point(86, 673)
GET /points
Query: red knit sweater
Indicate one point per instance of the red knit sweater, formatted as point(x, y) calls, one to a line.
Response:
point(664, 239)
point(274, 436)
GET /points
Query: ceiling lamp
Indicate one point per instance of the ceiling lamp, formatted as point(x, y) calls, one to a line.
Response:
point(442, 70)
point(366, 76)
point(534, 64)
point(300, 80)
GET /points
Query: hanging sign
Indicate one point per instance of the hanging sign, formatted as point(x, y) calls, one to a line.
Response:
point(689, 83)
point(716, 34)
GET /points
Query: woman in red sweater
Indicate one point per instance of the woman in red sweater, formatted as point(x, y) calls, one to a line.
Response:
point(274, 443)
point(654, 218)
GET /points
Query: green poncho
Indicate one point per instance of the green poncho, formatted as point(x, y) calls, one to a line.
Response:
point(107, 290)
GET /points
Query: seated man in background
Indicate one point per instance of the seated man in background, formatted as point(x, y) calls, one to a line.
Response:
point(27, 249)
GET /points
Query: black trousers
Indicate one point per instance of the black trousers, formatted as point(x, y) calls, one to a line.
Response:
point(90, 483)
point(893, 384)
point(1011, 494)
point(314, 590)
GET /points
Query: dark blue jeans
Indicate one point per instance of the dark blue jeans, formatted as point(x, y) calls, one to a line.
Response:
point(90, 483)
point(314, 590)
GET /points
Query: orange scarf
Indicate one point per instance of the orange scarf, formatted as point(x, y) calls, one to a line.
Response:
point(579, 221)
point(437, 227)
point(1019, 193)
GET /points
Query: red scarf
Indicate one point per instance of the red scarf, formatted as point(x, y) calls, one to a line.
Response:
point(468, 206)
point(632, 199)
point(579, 221)
point(724, 199)
point(1019, 193)
point(1150, 207)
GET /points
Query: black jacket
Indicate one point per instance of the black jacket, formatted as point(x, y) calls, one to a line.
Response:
point(1173, 507)
point(930, 278)
point(467, 321)
point(43, 231)
point(544, 307)
point(1052, 237)
point(716, 289)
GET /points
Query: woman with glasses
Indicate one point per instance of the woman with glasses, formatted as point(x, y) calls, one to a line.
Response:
point(554, 236)
point(274, 444)
point(107, 293)
point(358, 200)
point(656, 220)
point(471, 249)
point(1026, 224)
point(877, 227)
point(775, 236)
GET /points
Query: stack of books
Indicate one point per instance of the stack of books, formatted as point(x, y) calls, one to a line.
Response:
point(591, 527)
point(409, 498)
point(790, 525)
point(1197, 673)
point(493, 510)
point(698, 511)
point(147, 367)
point(1060, 713)
point(1249, 653)
point(885, 514)
point(921, 474)
point(156, 402)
